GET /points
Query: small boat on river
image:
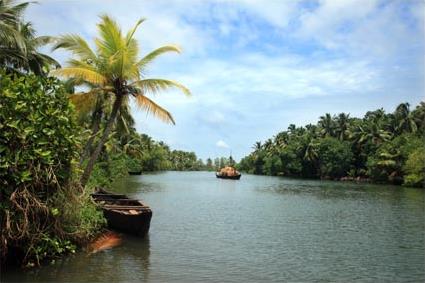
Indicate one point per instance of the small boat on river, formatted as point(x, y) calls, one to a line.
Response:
point(123, 213)
point(135, 172)
point(228, 172)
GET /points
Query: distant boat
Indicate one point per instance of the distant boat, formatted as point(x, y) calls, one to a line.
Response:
point(228, 172)
point(124, 214)
point(235, 177)
point(135, 172)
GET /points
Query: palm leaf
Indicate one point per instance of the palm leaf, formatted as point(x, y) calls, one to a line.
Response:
point(157, 52)
point(152, 108)
point(155, 85)
point(84, 102)
point(133, 30)
point(75, 44)
point(81, 73)
point(110, 40)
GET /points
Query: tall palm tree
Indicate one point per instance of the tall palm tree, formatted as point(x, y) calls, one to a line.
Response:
point(115, 68)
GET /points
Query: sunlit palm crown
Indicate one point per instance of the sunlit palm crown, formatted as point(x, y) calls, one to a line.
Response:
point(115, 66)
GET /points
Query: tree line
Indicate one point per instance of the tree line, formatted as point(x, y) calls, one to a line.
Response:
point(380, 147)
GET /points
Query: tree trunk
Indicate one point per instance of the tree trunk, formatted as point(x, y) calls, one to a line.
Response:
point(90, 165)
point(97, 118)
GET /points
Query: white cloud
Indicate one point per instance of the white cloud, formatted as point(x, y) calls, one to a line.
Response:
point(222, 144)
point(254, 67)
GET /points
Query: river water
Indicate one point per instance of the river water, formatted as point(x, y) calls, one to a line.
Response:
point(258, 229)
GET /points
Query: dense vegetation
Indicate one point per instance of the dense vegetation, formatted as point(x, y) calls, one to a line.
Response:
point(50, 147)
point(43, 211)
point(382, 147)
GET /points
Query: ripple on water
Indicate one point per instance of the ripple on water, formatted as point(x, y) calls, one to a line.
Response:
point(259, 229)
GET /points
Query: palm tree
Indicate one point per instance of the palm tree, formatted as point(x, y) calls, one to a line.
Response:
point(419, 117)
point(10, 19)
point(257, 146)
point(291, 129)
point(18, 41)
point(116, 69)
point(311, 152)
point(327, 125)
point(403, 119)
point(342, 123)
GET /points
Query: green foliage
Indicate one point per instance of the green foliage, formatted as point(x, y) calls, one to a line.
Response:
point(272, 165)
point(386, 164)
point(335, 157)
point(43, 210)
point(107, 171)
point(379, 146)
point(38, 137)
point(415, 168)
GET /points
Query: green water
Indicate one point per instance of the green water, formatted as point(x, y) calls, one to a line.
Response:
point(258, 229)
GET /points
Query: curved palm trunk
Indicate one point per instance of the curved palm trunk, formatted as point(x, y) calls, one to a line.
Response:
point(89, 168)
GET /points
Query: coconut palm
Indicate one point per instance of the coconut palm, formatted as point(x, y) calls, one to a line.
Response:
point(342, 123)
point(18, 41)
point(327, 125)
point(403, 119)
point(10, 19)
point(257, 146)
point(115, 69)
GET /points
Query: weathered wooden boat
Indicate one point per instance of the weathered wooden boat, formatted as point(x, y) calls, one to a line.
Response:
point(223, 176)
point(135, 172)
point(122, 213)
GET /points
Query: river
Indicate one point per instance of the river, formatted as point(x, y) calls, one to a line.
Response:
point(259, 228)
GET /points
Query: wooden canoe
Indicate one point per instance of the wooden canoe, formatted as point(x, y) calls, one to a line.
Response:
point(124, 214)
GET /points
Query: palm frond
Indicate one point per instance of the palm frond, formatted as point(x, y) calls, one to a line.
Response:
point(155, 85)
point(84, 102)
point(152, 108)
point(157, 52)
point(110, 40)
point(131, 32)
point(76, 44)
point(81, 73)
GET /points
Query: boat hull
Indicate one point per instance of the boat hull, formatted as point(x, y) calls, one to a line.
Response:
point(124, 214)
point(236, 177)
point(133, 224)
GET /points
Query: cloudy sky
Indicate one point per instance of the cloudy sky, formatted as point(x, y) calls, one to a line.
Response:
point(254, 67)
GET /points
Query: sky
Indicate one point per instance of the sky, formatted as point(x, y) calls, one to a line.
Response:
point(256, 66)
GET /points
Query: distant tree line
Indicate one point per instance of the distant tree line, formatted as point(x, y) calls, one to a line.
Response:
point(381, 147)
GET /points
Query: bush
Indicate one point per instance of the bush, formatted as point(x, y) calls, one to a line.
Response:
point(335, 157)
point(415, 168)
point(41, 208)
point(386, 164)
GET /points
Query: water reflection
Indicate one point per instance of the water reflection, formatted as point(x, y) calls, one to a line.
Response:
point(128, 262)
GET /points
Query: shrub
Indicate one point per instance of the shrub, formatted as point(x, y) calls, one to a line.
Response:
point(415, 168)
point(335, 157)
point(41, 208)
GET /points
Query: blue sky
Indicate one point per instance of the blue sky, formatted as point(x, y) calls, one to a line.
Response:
point(254, 67)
